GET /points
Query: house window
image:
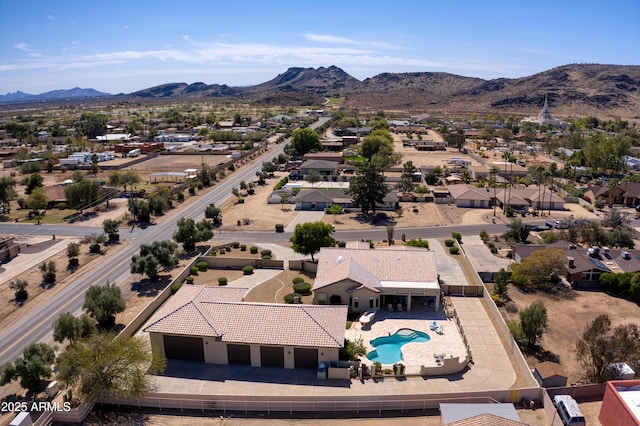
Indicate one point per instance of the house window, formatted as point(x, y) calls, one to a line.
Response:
point(313, 206)
point(370, 302)
point(322, 298)
point(355, 302)
point(376, 302)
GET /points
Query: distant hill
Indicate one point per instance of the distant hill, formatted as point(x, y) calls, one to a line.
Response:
point(54, 95)
point(573, 90)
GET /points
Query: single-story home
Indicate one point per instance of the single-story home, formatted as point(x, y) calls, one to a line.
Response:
point(625, 193)
point(471, 196)
point(323, 167)
point(214, 325)
point(395, 278)
point(321, 198)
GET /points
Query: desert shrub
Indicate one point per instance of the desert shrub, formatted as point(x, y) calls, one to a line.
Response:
point(222, 281)
point(484, 235)
point(493, 249)
point(247, 270)
point(74, 262)
point(456, 236)
point(265, 253)
point(449, 242)
point(289, 297)
point(415, 210)
point(194, 270)
point(454, 250)
point(175, 287)
point(265, 257)
point(235, 244)
point(335, 299)
point(297, 280)
point(342, 243)
point(202, 266)
point(497, 299)
point(253, 250)
point(302, 288)
point(243, 247)
point(94, 248)
point(227, 249)
point(222, 251)
point(190, 279)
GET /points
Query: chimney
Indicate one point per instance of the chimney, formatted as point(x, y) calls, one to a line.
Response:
point(571, 260)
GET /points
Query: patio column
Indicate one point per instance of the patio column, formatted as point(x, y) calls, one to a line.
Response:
point(409, 302)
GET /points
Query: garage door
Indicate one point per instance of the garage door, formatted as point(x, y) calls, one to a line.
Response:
point(271, 356)
point(182, 347)
point(306, 358)
point(239, 354)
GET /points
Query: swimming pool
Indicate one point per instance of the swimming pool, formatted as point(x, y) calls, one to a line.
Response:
point(387, 348)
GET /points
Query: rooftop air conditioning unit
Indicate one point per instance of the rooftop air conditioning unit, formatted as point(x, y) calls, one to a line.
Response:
point(626, 255)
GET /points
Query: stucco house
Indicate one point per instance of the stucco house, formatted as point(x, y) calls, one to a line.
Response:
point(323, 167)
point(320, 199)
point(394, 278)
point(470, 196)
point(214, 325)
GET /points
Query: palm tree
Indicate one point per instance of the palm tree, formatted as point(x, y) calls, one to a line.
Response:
point(538, 174)
point(493, 172)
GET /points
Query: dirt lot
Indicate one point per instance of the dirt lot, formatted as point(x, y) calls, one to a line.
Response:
point(569, 312)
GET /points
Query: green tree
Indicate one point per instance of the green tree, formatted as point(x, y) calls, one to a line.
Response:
point(92, 125)
point(103, 366)
point(284, 198)
point(71, 328)
point(367, 188)
point(541, 269)
point(305, 140)
point(455, 140)
point(533, 321)
point(37, 201)
point(519, 231)
point(372, 143)
point(152, 256)
point(126, 178)
point(73, 251)
point(33, 181)
point(82, 192)
point(406, 183)
point(20, 289)
point(309, 237)
point(313, 177)
point(189, 232)
point(493, 177)
point(7, 191)
point(501, 283)
point(33, 367)
point(48, 271)
point(103, 303)
point(601, 346)
point(111, 227)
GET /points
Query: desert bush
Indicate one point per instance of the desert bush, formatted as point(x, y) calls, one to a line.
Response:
point(342, 243)
point(247, 270)
point(454, 250)
point(265, 257)
point(289, 297)
point(456, 236)
point(493, 249)
point(222, 281)
point(302, 288)
point(253, 250)
point(190, 279)
point(235, 244)
point(243, 247)
point(175, 287)
point(265, 253)
point(449, 242)
point(202, 266)
point(194, 270)
point(297, 280)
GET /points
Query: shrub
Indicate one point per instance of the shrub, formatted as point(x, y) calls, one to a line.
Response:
point(415, 210)
point(454, 250)
point(297, 280)
point(511, 307)
point(202, 266)
point(235, 244)
point(243, 247)
point(227, 249)
point(240, 201)
point(222, 250)
point(342, 243)
point(222, 281)
point(494, 250)
point(289, 297)
point(253, 250)
point(265, 253)
point(335, 299)
point(266, 257)
point(190, 279)
point(175, 287)
point(448, 243)
point(94, 248)
point(194, 270)
point(302, 288)
point(497, 299)
point(457, 236)
point(279, 227)
point(247, 270)
point(484, 235)
point(73, 262)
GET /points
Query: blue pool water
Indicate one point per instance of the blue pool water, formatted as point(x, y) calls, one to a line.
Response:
point(387, 348)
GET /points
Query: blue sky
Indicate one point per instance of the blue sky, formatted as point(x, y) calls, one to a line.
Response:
point(122, 46)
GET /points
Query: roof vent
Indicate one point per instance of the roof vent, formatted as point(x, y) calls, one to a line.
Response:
point(626, 255)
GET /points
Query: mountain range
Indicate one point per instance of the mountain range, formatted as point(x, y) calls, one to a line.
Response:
point(573, 90)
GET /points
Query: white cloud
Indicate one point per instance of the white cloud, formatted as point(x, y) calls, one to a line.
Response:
point(325, 38)
point(51, 17)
